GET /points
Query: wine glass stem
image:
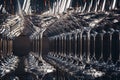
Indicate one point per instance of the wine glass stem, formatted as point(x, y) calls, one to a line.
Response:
point(62, 47)
point(33, 45)
point(6, 46)
point(103, 6)
point(110, 46)
point(88, 46)
point(38, 44)
point(41, 35)
point(65, 46)
point(75, 46)
point(81, 45)
point(114, 4)
point(101, 45)
point(70, 45)
point(94, 46)
point(119, 45)
point(54, 45)
point(59, 45)
point(84, 53)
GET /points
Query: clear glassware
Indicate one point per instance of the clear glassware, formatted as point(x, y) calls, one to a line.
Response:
point(88, 29)
point(101, 60)
point(109, 64)
point(93, 58)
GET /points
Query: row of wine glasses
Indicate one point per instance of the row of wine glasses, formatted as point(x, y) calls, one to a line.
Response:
point(59, 6)
point(72, 51)
point(70, 62)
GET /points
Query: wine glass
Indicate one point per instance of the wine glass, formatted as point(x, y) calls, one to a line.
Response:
point(93, 59)
point(110, 63)
point(87, 30)
point(101, 61)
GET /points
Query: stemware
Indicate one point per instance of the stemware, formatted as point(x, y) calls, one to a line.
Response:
point(55, 39)
point(88, 29)
point(101, 61)
point(65, 45)
point(62, 44)
point(90, 6)
point(98, 65)
point(80, 31)
point(75, 44)
point(114, 4)
point(84, 48)
point(110, 63)
point(93, 58)
point(41, 39)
